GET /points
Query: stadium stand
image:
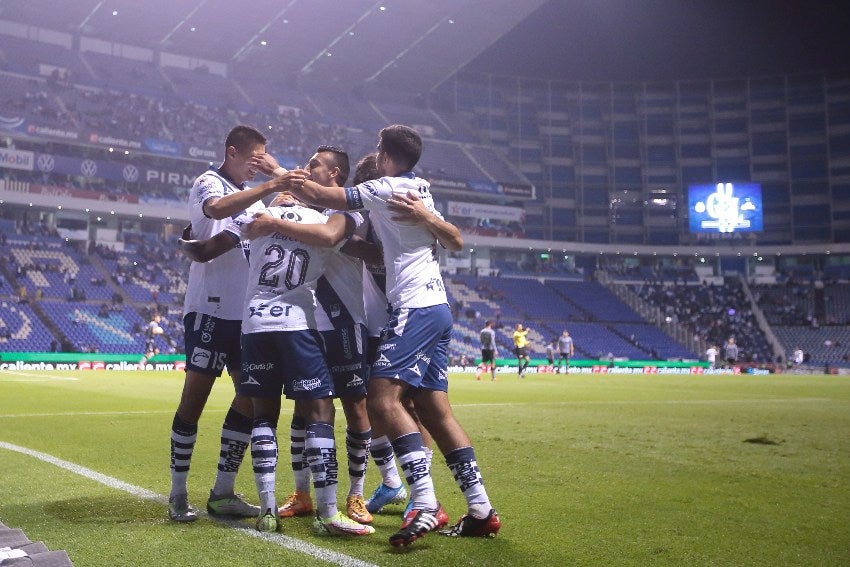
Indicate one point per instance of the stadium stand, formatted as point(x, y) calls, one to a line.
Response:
point(581, 144)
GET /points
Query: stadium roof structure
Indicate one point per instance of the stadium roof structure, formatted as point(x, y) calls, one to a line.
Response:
point(403, 44)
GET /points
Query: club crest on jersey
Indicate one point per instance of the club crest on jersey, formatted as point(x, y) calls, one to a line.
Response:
point(291, 216)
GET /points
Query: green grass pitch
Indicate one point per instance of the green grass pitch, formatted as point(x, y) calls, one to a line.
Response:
point(584, 470)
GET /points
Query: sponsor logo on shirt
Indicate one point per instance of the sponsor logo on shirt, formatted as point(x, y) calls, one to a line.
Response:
point(382, 361)
point(435, 284)
point(274, 311)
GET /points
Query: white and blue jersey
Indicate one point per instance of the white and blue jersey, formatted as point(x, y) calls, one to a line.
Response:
point(410, 250)
point(414, 342)
point(216, 287)
point(283, 277)
point(281, 348)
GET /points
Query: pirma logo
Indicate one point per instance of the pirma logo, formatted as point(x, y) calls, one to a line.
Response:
point(201, 357)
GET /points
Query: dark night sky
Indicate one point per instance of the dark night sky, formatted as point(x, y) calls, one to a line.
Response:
point(646, 40)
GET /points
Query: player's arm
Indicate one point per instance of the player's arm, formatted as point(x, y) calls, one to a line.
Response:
point(369, 252)
point(410, 208)
point(326, 235)
point(315, 194)
point(206, 250)
point(222, 207)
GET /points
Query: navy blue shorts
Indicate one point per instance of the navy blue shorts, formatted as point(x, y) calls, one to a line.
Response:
point(414, 347)
point(212, 344)
point(346, 359)
point(291, 362)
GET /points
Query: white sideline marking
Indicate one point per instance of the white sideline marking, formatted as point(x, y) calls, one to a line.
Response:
point(291, 543)
point(32, 377)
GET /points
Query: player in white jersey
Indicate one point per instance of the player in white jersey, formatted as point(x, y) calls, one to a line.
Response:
point(341, 320)
point(212, 314)
point(413, 354)
point(282, 351)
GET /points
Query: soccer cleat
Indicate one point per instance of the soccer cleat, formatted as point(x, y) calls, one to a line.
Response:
point(355, 508)
point(339, 524)
point(268, 522)
point(417, 523)
point(296, 504)
point(231, 505)
point(384, 495)
point(470, 526)
point(408, 508)
point(179, 509)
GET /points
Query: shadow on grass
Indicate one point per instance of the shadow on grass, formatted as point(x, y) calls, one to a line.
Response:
point(105, 510)
point(763, 440)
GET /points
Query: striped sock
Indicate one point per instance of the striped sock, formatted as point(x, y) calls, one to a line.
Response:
point(264, 460)
point(235, 438)
point(320, 451)
point(414, 465)
point(300, 468)
point(384, 457)
point(183, 436)
point(468, 477)
point(357, 447)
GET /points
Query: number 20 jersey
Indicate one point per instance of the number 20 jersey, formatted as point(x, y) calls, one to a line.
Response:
point(282, 278)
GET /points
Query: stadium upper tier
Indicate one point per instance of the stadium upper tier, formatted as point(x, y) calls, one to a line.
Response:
point(606, 163)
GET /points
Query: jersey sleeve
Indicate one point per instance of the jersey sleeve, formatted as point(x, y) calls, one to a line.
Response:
point(208, 187)
point(368, 195)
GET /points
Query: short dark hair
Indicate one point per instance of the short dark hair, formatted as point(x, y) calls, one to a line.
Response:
point(340, 161)
point(244, 137)
point(486, 323)
point(367, 169)
point(402, 144)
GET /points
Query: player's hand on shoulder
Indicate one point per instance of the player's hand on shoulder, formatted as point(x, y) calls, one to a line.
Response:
point(409, 207)
point(262, 224)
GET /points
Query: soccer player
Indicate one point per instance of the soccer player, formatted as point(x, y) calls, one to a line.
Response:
point(413, 357)
point(489, 351)
point(341, 321)
point(730, 352)
point(711, 355)
point(282, 351)
point(391, 489)
point(566, 349)
point(521, 348)
point(212, 310)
